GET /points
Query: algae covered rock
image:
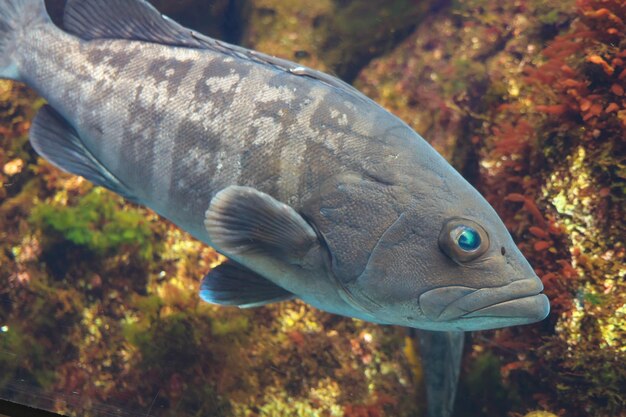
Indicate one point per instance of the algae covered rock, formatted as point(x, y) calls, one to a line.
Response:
point(356, 31)
point(337, 36)
point(447, 78)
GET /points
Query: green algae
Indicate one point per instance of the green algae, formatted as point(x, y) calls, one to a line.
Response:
point(168, 343)
point(96, 222)
point(230, 326)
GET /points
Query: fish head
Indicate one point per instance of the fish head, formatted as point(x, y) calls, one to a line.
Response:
point(449, 263)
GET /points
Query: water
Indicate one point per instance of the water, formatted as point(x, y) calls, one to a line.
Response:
point(99, 306)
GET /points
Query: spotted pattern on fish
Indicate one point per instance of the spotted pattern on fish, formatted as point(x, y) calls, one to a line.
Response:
point(245, 123)
point(170, 71)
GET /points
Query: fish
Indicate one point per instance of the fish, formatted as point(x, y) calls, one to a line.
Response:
point(441, 354)
point(309, 188)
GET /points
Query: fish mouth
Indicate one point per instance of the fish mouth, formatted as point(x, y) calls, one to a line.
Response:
point(521, 299)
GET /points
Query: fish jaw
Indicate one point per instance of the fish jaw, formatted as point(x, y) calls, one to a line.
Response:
point(464, 308)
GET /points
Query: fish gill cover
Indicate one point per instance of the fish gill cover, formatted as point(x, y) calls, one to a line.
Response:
point(98, 298)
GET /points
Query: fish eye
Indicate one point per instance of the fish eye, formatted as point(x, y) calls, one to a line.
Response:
point(463, 240)
point(466, 238)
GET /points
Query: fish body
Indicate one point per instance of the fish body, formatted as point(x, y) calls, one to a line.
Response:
point(311, 189)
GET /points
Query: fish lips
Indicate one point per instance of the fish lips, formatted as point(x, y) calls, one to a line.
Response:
point(521, 301)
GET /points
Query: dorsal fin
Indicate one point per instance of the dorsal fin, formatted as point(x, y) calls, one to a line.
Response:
point(123, 19)
point(139, 20)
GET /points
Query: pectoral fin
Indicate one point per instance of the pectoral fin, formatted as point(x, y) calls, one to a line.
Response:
point(242, 221)
point(233, 284)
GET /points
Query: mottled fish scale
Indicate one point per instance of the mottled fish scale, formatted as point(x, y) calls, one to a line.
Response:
point(127, 115)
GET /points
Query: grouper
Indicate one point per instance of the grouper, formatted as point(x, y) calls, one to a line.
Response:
point(308, 187)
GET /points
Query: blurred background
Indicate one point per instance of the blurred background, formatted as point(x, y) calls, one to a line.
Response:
point(99, 306)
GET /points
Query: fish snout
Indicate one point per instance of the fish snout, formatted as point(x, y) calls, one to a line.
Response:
point(521, 299)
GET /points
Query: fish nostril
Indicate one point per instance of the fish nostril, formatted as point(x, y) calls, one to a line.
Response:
point(503, 251)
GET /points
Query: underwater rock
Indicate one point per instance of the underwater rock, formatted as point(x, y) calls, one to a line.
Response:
point(441, 80)
point(335, 36)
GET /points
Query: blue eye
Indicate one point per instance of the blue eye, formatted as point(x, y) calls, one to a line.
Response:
point(467, 238)
point(463, 240)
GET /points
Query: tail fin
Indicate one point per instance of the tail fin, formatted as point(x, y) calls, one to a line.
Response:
point(17, 17)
